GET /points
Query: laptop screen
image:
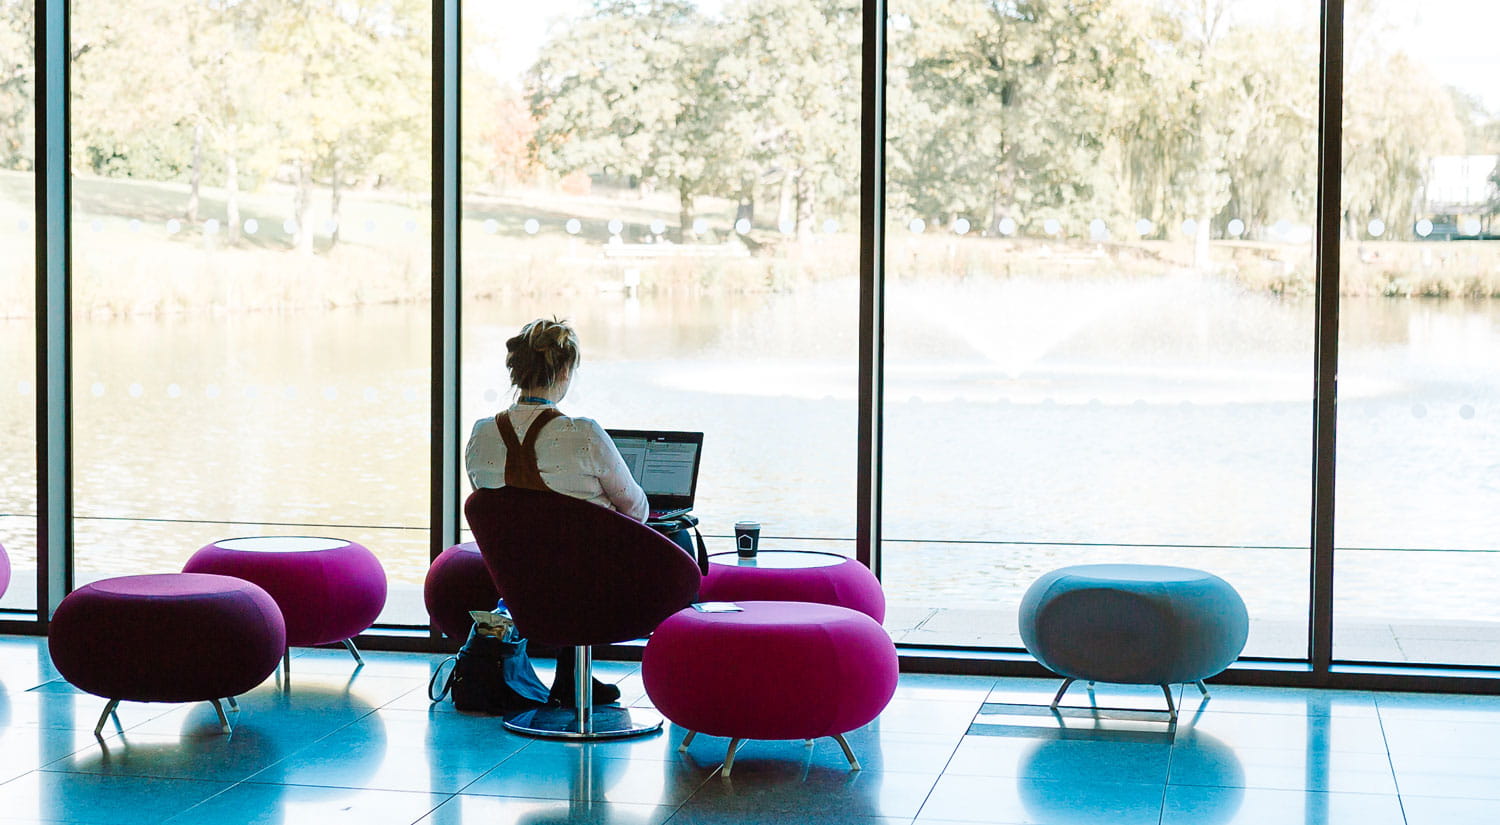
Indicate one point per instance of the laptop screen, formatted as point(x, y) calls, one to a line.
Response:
point(664, 463)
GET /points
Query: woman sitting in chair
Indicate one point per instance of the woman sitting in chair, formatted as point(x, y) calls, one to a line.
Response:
point(534, 446)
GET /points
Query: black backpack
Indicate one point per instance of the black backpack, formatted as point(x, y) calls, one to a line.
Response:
point(490, 675)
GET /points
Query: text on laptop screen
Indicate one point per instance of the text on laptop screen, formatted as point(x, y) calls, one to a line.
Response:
point(662, 468)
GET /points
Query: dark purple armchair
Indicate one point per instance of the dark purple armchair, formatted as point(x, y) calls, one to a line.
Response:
point(574, 575)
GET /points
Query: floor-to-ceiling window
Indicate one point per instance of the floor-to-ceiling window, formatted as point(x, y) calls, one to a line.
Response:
point(17, 305)
point(1099, 329)
point(251, 278)
point(680, 181)
point(1418, 560)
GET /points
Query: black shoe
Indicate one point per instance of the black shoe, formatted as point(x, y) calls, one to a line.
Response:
point(562, 694)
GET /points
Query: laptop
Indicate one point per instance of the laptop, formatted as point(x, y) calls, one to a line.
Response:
point(665, 464)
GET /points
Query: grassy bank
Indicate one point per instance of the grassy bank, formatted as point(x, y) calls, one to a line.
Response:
point(135, 254)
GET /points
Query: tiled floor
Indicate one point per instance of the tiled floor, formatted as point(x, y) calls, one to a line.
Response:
point(365, 746)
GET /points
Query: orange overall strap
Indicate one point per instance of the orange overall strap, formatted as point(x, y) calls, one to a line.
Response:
point(520, 457)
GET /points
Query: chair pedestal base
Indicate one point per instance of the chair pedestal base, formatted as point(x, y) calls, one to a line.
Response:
point(601, 722)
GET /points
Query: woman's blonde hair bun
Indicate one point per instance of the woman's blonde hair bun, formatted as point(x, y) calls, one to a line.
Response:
point(542, 353)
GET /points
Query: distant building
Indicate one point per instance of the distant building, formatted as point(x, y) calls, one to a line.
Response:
point(1460, 196)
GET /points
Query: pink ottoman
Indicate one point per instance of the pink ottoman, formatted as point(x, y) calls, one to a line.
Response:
point(794, 576)
point(173, 637)
point(4, 570)
point(778, 670)
point(329, 590)
point(458, 582)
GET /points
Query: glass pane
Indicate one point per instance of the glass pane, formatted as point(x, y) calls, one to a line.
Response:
point(17, 307)
point(1099, 329)
point(251, 278)
point(1418, 562)
point(691, 207)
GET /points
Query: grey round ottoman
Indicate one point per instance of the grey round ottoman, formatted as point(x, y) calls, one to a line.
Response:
point(1138, 624)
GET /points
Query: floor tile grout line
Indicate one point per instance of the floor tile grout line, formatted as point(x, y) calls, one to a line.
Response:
point(944, 772)
point(1385, 739)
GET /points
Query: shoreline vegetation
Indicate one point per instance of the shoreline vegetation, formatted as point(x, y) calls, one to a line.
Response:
point(131, 259)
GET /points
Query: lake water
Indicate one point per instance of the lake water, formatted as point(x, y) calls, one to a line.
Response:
point(1029, 424)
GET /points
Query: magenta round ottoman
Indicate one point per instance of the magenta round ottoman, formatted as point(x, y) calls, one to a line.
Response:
point(329, 590)
point(4, 570)
point(777, 670)
point(794, 576)
point(458, 582)
point(171, 637)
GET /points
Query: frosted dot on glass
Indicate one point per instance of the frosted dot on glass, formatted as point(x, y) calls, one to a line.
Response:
point(616, 226)
point(370, 226)
point(23, 387)
point(1424, 227)
point(410, 226)
point(532, 226)
point(1007, 226)
point(212, 390)
point(961, 226)
point(409, 394)
point(742, 226)
point(135, 225)
point(369, 394)
point(700, 225)
point(491, 396)
point(1466, 411)
point(658, 226)
point(1418, 411)
point(330, 227)
point(1190, 228)
point(289, 226)
point(1282, 226)
point(330, 394)
point(174, 391)
point(174, 226)
point(136, 390)
point(1052, 226)
point(1144, 226)
point(1377, 228)
point(574, 226)
point(290, 393)
point(787, 226)
point(23, 225)
point(1098, 229)
point(491, 226)
point(96, 225)
point(1236, 228)
point(250, 391)
point(97, 389)
point(252, 226)
point(830, 226)
point(1471, 226)
point(917, 226)
point(211, 226)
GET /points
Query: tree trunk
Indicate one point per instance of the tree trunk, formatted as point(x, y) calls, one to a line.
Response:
point(1202, 260)
point(232, 187)
point(684, 206)
point(196, 179)
point(786, 211)
point(301, 206)
point(807, 198)
point(338, 201)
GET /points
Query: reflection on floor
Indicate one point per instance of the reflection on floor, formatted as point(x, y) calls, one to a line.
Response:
point(365, 746)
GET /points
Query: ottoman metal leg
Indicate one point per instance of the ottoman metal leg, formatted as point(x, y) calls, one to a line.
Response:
point(223, 719)
point(109, 710)
point(734, 745)
point(233, 705)
point(1166, 690)
point(1060, 691)
point(687, 740)
point(848, 752)
point(1202, 688)
point(353, 651)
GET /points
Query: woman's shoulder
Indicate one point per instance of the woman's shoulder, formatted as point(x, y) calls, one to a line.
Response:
point(582, 424)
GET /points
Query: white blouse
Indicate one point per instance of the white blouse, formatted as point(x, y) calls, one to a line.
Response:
point(575, 456)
